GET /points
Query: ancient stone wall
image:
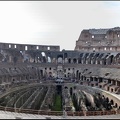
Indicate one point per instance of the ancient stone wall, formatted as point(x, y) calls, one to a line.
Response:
point(99, 40)
point(23, 47)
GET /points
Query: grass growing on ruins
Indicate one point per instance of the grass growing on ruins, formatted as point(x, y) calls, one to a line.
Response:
point(57, 103)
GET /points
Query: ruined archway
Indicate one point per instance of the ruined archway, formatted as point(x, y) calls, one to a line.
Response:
point(60, 59)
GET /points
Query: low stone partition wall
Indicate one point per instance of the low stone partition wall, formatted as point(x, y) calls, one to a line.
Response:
point(19, 88)
point(111, 96)
point(68, 113)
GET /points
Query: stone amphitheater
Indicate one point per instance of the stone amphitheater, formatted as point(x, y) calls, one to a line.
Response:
point(42, 82)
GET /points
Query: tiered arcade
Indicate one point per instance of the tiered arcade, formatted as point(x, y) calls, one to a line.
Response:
point(88, 65)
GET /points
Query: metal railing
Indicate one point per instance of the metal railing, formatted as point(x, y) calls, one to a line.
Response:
point(59, 113)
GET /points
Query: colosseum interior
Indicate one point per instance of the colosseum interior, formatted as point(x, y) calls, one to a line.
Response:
point(42, 80)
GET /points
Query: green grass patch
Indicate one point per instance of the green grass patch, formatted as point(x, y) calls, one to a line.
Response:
point(57, 103)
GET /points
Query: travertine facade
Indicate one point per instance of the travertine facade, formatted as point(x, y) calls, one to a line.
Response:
point(99, 40)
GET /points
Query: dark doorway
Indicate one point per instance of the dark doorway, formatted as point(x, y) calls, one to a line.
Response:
point(59, 89)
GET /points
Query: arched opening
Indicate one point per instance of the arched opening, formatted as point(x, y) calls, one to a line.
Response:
point(92, 36)
point(110, 48)
point(112, 90)
point(79, 60)
point(107, 100)
point(15, 46)
point(112, 102)
point(66, 60)
point(86, 58)
point(81, 54)
point(108, 88)
point(93, 60)
point(26, 47)
point(96, 56)
point(65, 55)
point(93, 49)
point(9, 46)
point(48, 48)
point(43, 54)
point(49, 60)
point(60, 58)
point(74, 60)
point(117, 59)
point(37, 47)
point(69, 60)
point(100, 58)
point(44, 57)
point(111, 59)
point(54, 60)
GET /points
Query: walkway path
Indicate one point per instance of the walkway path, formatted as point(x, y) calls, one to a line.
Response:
point(13, 115)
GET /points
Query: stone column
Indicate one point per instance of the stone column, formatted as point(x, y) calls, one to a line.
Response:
point(94, 78)
point(71, 60)
point(76, 61)
point(116, 83)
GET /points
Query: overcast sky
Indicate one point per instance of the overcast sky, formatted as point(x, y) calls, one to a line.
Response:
point(54, 22)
